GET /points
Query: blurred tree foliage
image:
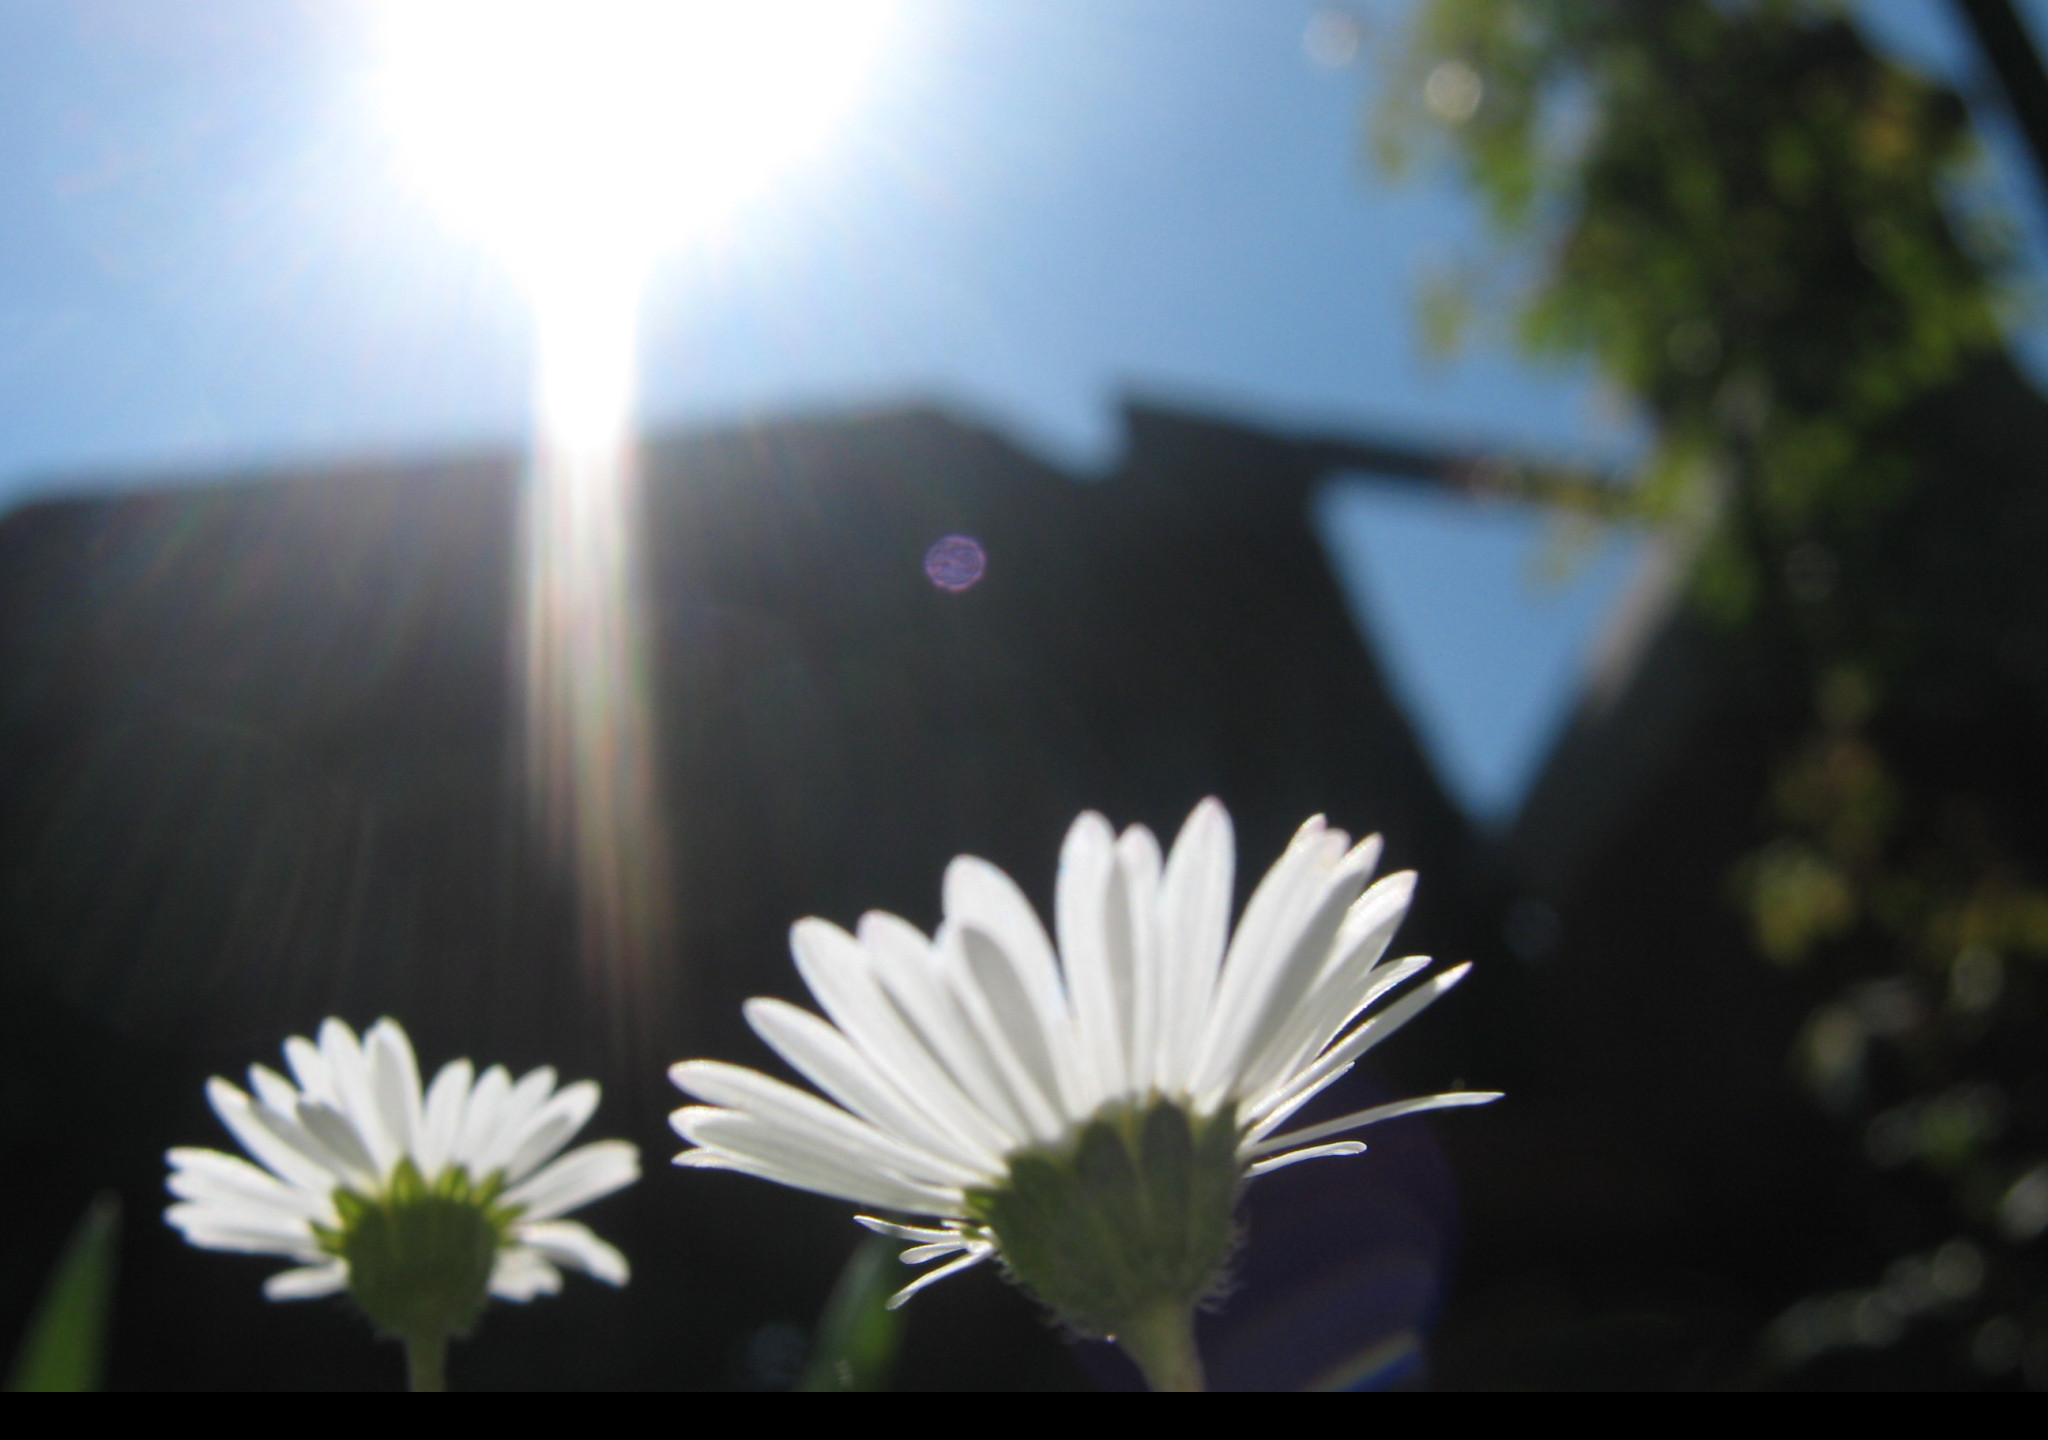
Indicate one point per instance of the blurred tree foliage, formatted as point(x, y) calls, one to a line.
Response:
point(1764, 234)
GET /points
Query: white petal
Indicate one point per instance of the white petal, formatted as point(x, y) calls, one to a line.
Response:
point(208, 1175)
point(581, 1176)
point(340, 1168)
point(237, 1213)
point(349, 1073)
point(441, 1122)
point(919, 1254)
point(1134, 953)
point(567, 1243)
point(1295, 1157)
point(272, 1089)
point(284, 1159)
point(1287, 1011)
point(981, 896)
point(341, 1140)
point(245, 1232)
point(1006, 1027)
point(919, 1233)
point(1289, 1094)
point(1363, 938)
point(509, 1126)
point(902, 961)
point(839, 972)
point(309, 1282)
point(836, 1185)
point(932, 1277)
point(1352, 992)
point(762, 1149)
point(554, 1126)
point(1120, 966)
point(1273, 979)
point(830, 1061)
point(1362, 1038)
point(394, 1084)
point(1377, 983)
point(1080, 905)
point(1281, 904)
point(1352, 981)
point(333, 1167)
point(1194, 923)
point(522, 1274)
point(480, 1119)
point(309, 1067)
point(814, 1122)
point(1359, 1119)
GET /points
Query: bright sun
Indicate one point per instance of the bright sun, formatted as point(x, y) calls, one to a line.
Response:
point(577, 138)
point(567, 133)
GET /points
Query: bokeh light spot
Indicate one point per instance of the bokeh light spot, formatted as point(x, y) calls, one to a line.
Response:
point(1454, 91)
point(956, 563)
point(1332, 38)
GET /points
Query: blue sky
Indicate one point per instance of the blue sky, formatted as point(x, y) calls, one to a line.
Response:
point(209, 256)
point(208, 260)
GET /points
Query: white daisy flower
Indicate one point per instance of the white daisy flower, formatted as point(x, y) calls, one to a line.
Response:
point(1090, 1115)
point(418, 1206)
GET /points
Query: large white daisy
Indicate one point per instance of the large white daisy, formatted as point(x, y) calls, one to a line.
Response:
point(1090, 1114)
point(417, 1204)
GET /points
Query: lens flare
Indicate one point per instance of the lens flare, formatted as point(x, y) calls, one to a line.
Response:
point(591, 739)
point(955, 563)
point(577, 139)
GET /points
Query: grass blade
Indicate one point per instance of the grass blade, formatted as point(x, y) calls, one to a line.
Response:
point(66, 1344)
point(855, 1347)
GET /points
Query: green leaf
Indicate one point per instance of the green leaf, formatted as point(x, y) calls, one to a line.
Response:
point(855, 1347)
point(66, 1345)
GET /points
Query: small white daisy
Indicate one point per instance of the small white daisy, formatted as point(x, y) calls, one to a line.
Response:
point(417, 1206)
point(1090, 1115)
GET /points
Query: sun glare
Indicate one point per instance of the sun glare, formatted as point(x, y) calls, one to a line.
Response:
point(577, 139)
point(563, 129)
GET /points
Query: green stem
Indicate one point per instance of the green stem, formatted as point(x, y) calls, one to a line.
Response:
point(426, 1363)
point(1162, 1341)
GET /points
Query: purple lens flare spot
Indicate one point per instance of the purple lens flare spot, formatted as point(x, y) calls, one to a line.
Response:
point(955, 563)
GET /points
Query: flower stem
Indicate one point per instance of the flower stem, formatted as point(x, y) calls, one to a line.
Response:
point(426, 1363)
point(1162, 1341)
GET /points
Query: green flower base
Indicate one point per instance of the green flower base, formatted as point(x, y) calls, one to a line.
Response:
point(420, 1256)
point(1128, 1225)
